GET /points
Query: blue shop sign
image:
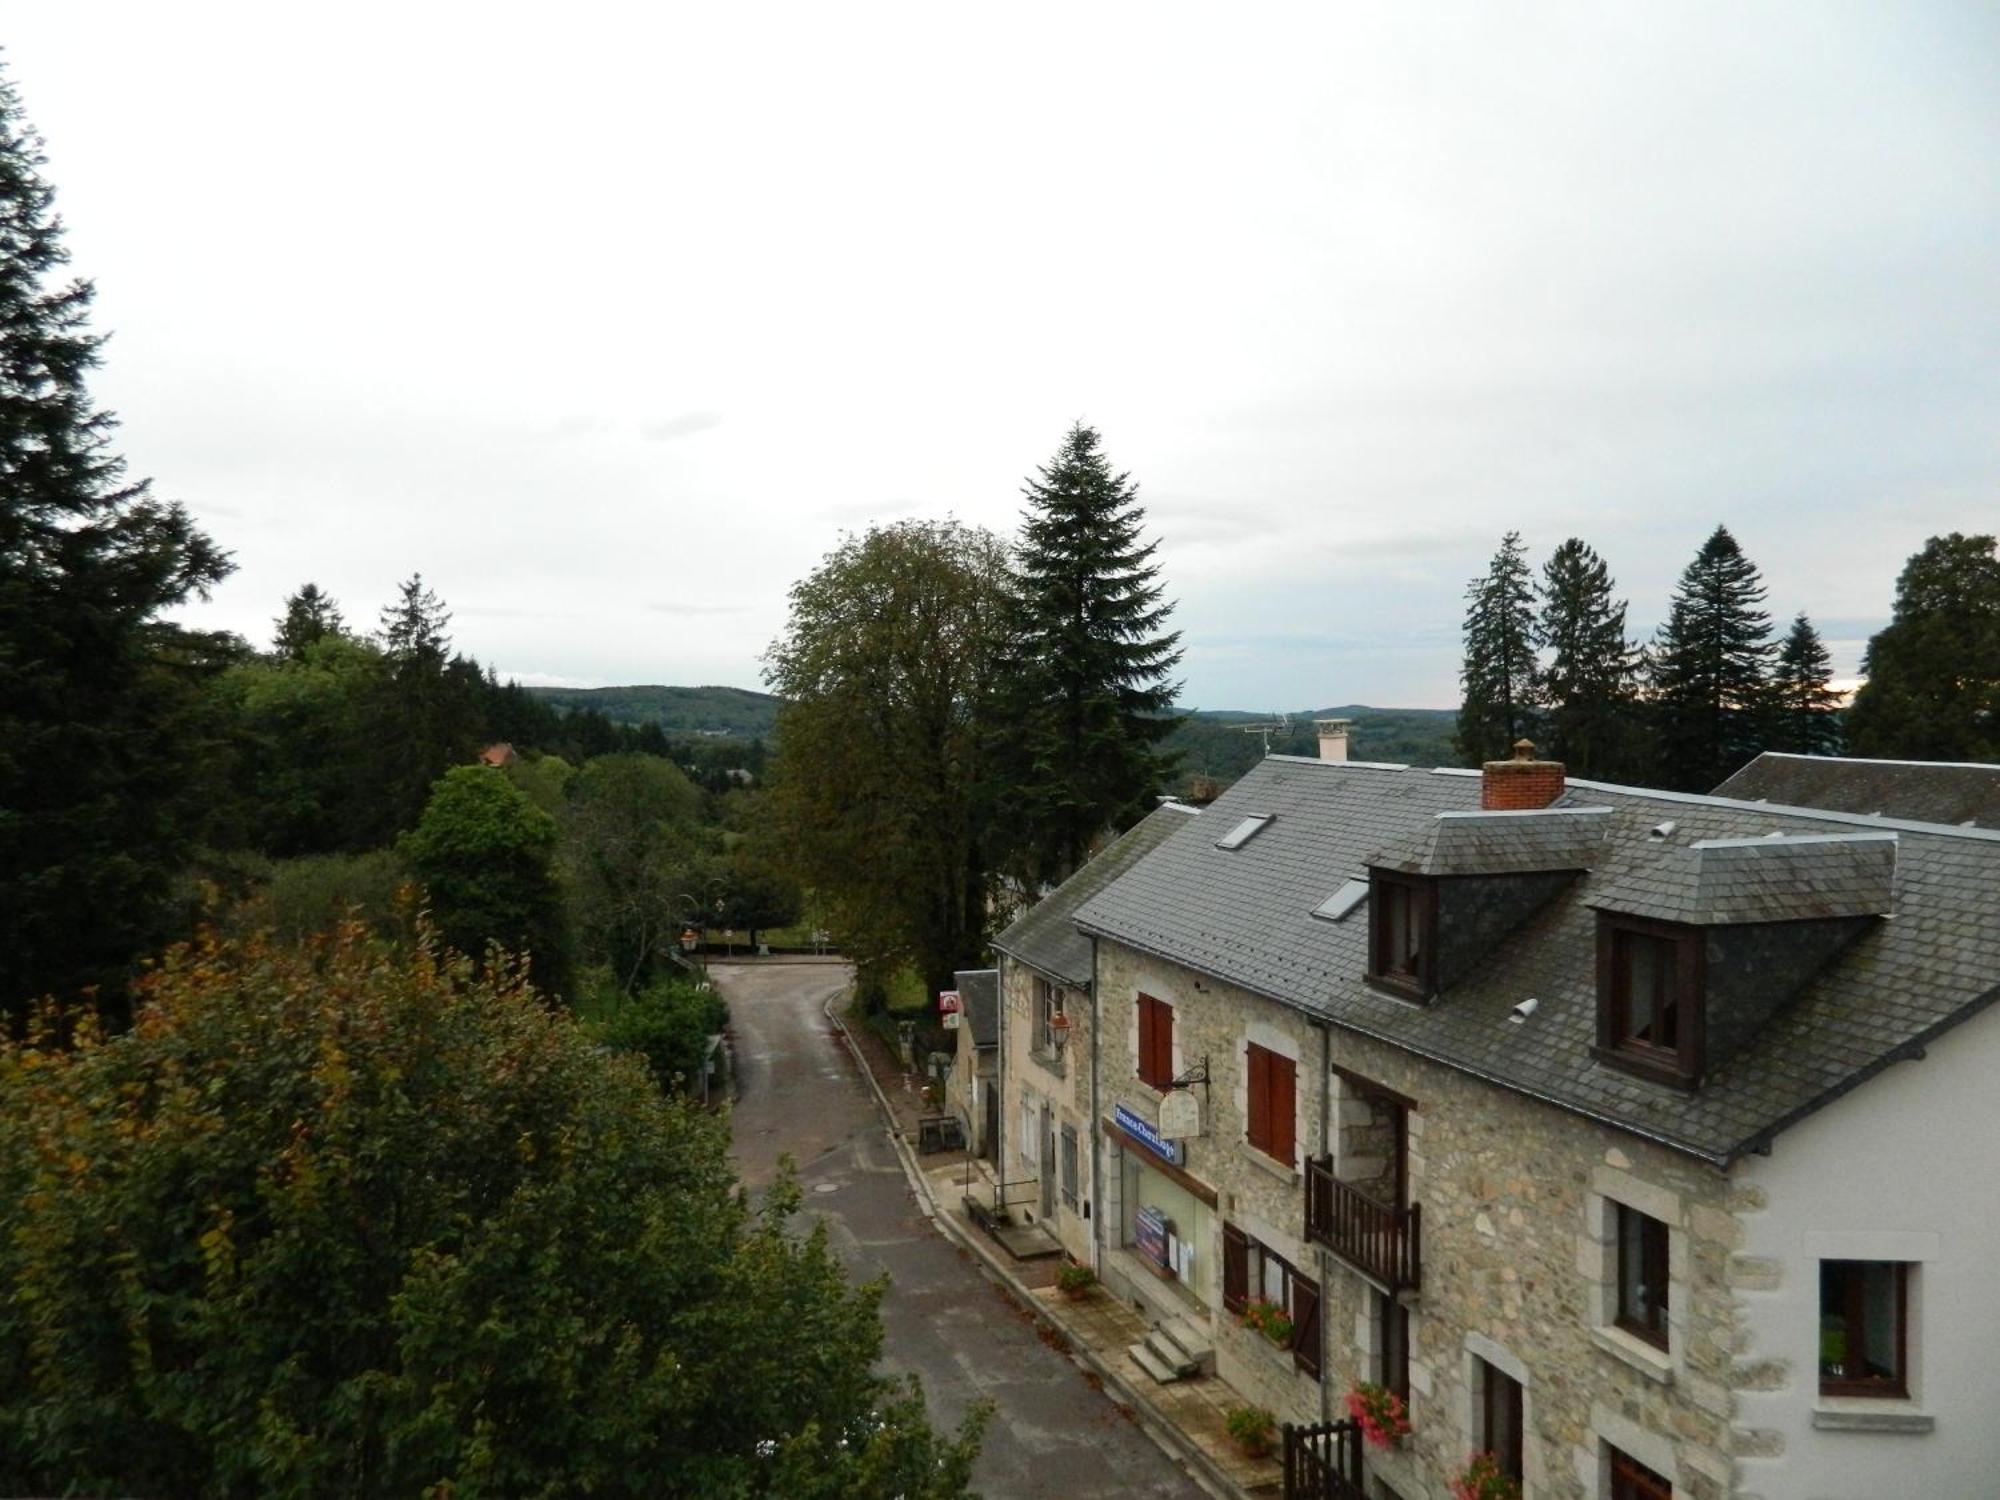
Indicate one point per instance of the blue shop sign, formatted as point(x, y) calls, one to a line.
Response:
point(1141, 1130)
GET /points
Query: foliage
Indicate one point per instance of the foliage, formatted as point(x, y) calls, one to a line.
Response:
point(100, 716)
point(1933, 688)
point(668, 1024)
point(318, 892)
point(485, 856)
point(1074, 1279)
point(1222, 744)
point(1804, 709)
point(1270, 1320)
point(310, 617)
point(1498, 677)
point(1483, 1479)
point(676, 710)
point(1588, 686)
point(1379, 1412)
point(757, 894)
point(1253, 1427)
point(1087, 700)
point(1709, 669)
point(338, 1220)
point(880, 786)
point(544, 780)
point(630, 845)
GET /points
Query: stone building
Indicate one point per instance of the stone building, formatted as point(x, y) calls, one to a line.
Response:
point(1643, 1139)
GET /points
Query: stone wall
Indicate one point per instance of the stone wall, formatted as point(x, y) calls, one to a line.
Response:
point(1063, 1083)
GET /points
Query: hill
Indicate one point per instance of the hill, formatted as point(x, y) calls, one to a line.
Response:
point(677, 710)
point(1219, 743)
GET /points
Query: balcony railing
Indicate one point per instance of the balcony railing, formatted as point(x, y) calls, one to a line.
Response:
point(1383, 1243)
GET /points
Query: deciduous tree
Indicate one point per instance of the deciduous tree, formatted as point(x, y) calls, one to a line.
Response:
point(1933, 673)
point(1497, 680)
point(630, 842)
point(1709, 669)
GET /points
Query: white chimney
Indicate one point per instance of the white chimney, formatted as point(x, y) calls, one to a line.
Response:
point(1333, 737)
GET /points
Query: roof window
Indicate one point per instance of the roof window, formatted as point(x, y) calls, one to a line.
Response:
point(1342, 901)
point(1243, 832)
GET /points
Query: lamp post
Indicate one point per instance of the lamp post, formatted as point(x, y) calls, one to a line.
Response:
point(691, 934)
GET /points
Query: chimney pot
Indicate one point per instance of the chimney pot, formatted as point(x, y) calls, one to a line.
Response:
point(1520, 784)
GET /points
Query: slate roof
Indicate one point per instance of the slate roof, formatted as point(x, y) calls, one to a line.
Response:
point(979, 995)
point(1784, 879)
point(1045, 937)
point(1244, 916)
point(1500, 843)
point(1924, 791)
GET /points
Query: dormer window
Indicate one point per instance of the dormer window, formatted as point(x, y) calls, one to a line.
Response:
point(1649, 998)
point(1402, 932)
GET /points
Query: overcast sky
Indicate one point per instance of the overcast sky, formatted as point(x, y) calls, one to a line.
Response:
point(610, 318)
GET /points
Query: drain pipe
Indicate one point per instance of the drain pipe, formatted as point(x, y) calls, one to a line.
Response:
point(1096, 1204)
point(1325, 1260)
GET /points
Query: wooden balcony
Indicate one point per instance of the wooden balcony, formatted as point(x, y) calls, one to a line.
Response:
point(1383, 1243)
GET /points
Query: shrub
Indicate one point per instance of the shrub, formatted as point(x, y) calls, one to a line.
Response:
point(1270, 1320)
point(1075, 1280)
point(1251, 1427)
point(668, 1024)
point(337, 1219)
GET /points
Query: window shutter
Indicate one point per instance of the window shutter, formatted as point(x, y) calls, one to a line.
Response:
point(1163, 1043)
point(1145, 1035)
point(1305, 1324)
point(1283, 1106)
point(1258, 1096)
point(1235, 1268)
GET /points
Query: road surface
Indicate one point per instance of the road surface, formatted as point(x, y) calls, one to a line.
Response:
point(1053, 1434)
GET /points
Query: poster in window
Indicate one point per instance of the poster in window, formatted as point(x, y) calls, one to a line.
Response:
point(1150, 1231)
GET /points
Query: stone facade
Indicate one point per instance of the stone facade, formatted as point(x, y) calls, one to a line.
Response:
point(1040, 1083)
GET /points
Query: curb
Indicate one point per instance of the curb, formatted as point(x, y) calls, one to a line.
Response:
point(1166, 1437)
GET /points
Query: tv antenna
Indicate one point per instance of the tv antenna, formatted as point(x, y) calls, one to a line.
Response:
point(1266, 729)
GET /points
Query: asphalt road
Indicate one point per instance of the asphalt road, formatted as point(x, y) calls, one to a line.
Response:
point(1052, 1434)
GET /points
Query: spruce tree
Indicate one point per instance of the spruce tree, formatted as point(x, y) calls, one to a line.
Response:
point(1089, 698)
point(428, 712)
point(1933, 673)
point(1498, 677)
point(1804, 708)
point(310, 616)
point(1588, 686)
point(1709, 669)
point(94, 823)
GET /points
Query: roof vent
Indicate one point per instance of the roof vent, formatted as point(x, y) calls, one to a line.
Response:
point(1662, 830)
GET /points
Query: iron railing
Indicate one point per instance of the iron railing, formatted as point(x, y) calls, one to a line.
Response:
point(1323, 1462)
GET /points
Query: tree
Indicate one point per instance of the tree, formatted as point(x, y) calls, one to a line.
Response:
point(428, 712)
point(1804, 708)
point(630, 843)
point(879, 782)
point(94, 688)
point(1497, 680)
point(758, 894)
point(1933, 672)
point(485, 856)
point(1088, 699)
point(1588, 687)
point(344, 1219)
point(1709, 668)
point(310, 617)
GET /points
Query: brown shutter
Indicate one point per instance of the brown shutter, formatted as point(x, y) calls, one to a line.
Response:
point(1163, 1043)
point(1257, 1096)
point(1235, 1268)
point(1146, 1022)
point(1305, 1324)
point(1283, 1108)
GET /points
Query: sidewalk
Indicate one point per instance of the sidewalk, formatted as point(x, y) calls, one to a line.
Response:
point(1186, 1417)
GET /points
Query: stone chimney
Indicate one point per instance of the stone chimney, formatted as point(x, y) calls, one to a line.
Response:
point(1333, 737)
point(1522, 783)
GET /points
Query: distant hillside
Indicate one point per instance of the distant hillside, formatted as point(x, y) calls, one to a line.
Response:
point(677, 710)
point(1217, 743)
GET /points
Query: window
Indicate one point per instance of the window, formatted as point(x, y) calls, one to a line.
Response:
point(1863, 1328)
point(1270, 1106)
point(1404, 913)
point(1392, 1346)
point(1243, 832)
point(1069, 1165)
point(1031, 1146)
point(1649, 998)
point(1500, 1418)
point(1156, 1042)
point(1350, 895)
point(1632, 1480)
point(1642, 1275)
point(1253, 1272)
point(1048, 1005)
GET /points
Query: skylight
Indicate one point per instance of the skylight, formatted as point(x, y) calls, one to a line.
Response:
point(1342, 901)
point(1243, 832)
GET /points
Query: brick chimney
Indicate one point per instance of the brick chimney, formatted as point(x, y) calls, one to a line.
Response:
point(1522, 783)
point(1333, 737)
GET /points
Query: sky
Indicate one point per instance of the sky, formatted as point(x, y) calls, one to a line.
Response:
point(611, 319)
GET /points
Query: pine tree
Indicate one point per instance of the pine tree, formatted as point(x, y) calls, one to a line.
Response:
point(1588, 688)
point(1498, 678)
point(428, 716)
point(93, 822)
point(1709, 668)
point(1933, 673)
point(1089, 699)
point(310, 615)
point(1804, 708)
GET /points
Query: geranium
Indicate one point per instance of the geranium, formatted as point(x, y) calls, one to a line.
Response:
point(1270, 1320)
point(1484, 1479)
point(1379, 1412)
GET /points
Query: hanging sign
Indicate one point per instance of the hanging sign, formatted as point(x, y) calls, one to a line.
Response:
point(949, 1003)
point(1180, 1115)
point(1142, 1130)
point(950, 1019)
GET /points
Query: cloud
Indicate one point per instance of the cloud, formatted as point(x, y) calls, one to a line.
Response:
point(686, 424)
point(676, 607)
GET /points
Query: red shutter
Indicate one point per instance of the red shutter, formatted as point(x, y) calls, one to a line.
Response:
point(1305, 1324)
point(1258, 1097)
point(1147, 1021)
point(1282, 1108)
point(1235, 1268)
point(1163, 1043)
